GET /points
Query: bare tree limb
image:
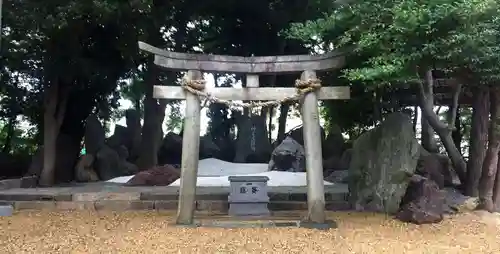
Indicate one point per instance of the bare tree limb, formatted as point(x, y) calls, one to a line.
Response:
point(441, 129)
point(452, 111)
point(428, 111)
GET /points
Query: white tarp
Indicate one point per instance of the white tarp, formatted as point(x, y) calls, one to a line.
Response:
point(214, 172)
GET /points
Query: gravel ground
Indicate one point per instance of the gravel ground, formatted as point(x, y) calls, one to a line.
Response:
point(149, 232)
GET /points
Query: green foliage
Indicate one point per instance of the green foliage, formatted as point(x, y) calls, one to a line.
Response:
point(22, 141)
point(395, 42)
point(401, 39)
point(175, 118)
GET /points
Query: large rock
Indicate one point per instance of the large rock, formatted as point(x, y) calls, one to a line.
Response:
point(129, 136)
point(252, 142)
point(84, 170)
point(334, 144)
point(170, 151)
point(339, 176)
point(95, 136)
point(119, 137)
point(335, 163)
point(288, 156)
point(298, 135)
point(456, 202)
point(157, 176)
point(109, 164)
point(423, 203)
point(436, 168)
point(383, 159)
point(208, 148)
point(36, 164)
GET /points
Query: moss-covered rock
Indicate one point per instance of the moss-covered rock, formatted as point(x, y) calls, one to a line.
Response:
point(383, 160)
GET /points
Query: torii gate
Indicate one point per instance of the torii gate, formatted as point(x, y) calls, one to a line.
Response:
point(193, 87)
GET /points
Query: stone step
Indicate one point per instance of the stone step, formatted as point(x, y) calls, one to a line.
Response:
point(212, 206)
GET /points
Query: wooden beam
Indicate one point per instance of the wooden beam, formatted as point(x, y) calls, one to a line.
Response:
point(252, 93)
point(190, 156)
point(314, 161)
point(238, 64)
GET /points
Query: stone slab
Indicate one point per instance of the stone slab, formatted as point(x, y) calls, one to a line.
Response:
point(121, 205)
point(243, 224)
point(209, 199)
point(209, 206)
point(10, 184)
point(320, 226)
point(35, 205)
point(6, 210)
point(99, 196)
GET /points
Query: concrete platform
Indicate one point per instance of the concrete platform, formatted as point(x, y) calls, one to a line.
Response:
point(276, 219)
point(109, 196)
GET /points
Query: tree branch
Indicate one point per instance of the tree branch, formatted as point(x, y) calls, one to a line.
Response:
point(427, 108)
point(452, 114)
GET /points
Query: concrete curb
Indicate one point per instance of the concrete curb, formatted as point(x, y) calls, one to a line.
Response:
point(212, 206)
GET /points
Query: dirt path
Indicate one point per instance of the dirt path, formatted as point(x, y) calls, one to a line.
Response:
point(149, 232)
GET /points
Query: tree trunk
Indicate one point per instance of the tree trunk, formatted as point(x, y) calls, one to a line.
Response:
point(55, 102)
point(263, 111)
point(496, 190)
point(137, 106)
point(285, 107)
point(154, 110)
point(11, 126)
point(490, 164)
point(415, 118)
point(154, 114)
point(443, 130)
point(427, 135)
point(377, 106)
point(270, 125)
point(1, 5)
point(478, 139)
point(456, 134)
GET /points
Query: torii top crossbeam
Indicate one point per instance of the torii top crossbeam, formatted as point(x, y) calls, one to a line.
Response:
point(238, 64)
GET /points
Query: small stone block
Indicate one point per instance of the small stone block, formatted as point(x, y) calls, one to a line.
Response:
point(329, 224)
point(6, 210)
point(248, 195)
